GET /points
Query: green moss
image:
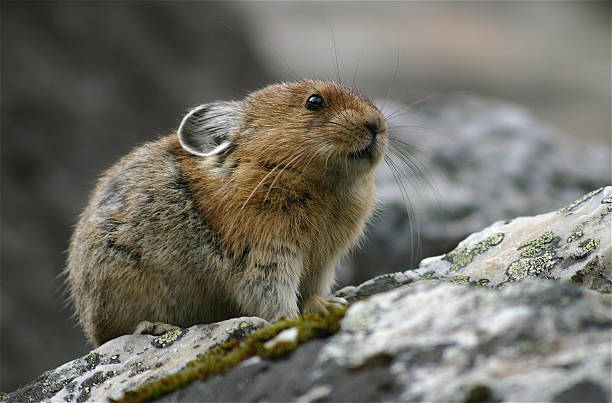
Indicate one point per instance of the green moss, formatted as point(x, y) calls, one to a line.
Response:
point(462, 256)
point(226, 356)
point(575, 204)
point(575, 235)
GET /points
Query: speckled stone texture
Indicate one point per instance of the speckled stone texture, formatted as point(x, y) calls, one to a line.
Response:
point(481, 160)
point(532, 341)
point(520, 311)
point(129, 361)
point(535, 340)
point(573, 244)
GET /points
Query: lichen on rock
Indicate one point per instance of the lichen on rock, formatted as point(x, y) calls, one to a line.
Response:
point(168, 338)
point(126, 362)
point(462, 256)
point(536, 245)
point(482, 329)
point(556, 245)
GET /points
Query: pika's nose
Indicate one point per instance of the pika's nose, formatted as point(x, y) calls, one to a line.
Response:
point(373, 125)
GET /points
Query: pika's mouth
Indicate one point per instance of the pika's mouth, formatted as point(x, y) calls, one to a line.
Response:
point(365, 152)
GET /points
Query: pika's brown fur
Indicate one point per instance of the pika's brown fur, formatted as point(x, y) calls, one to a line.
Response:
point(245, 212)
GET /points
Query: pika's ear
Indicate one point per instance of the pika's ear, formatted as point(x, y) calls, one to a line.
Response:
point(206, 129)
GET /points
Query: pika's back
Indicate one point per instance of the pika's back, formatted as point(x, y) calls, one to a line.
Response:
point(244, 211)
point(143, 200)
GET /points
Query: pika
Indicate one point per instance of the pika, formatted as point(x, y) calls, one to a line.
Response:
point(245, 210)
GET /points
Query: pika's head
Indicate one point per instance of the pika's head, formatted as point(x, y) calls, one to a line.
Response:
point(322, 130)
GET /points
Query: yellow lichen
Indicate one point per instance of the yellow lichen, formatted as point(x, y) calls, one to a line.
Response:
point(575, 235)
point(536, 245)
point(587, 247)
point(168, 338)
point(461, 256)
point(531, 266)
point(459, 279)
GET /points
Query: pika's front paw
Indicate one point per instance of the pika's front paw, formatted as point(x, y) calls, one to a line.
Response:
point(320, 304)
point(154, 328)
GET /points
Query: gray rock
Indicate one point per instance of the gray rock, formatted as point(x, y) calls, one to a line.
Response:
point(535, 340)
point(531, 341)
point(129, 361)
point(472, 325)
point(480, 161)
point(572, 244)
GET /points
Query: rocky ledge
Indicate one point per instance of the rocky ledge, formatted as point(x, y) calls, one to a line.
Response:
point(520, 311)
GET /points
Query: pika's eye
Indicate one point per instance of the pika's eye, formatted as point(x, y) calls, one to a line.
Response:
point(315, 102)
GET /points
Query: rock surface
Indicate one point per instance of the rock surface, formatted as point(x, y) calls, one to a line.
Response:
point(129, 361)
point(481, 161)
point(520, 311)
point(432, 341)
point(573, 244)
point(535, 340)
point(531, 341)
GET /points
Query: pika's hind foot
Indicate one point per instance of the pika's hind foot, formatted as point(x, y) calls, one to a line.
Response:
point(320, 304)
point(154, 328)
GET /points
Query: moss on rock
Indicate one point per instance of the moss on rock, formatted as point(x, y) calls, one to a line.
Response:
point(226, 356)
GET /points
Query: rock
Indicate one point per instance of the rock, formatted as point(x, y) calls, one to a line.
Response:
point(518, 311)
point(378, 284)
point(573, 244)
point(535, 340)
point(480, 161)
point(129, 361)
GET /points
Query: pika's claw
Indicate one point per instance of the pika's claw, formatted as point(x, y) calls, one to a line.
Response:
point(338, 301)
point(320, 304)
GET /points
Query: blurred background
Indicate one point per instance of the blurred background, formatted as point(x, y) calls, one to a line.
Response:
point(83, 83)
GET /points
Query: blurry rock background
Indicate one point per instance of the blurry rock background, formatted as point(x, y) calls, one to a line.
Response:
point(82, 83)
